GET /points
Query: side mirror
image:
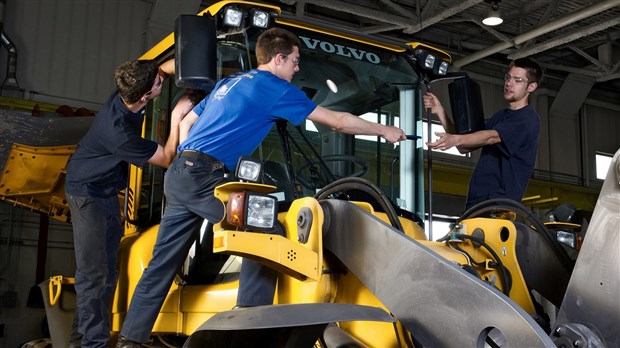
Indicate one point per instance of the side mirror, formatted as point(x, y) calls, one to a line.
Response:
point(195, 48)
point(466, 104)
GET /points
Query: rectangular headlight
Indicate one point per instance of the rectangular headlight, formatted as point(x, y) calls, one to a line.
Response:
point(249, 169)
point(429, 61)
point(566, 238)
point(260, 19)
point(233, 17)
point(441, 69)
point(261, 211)
point(249, 210)
point(424, 59)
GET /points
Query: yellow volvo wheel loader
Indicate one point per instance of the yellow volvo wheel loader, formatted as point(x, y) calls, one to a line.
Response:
point(355, 268)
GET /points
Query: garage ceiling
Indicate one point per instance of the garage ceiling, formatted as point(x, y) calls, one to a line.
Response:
point(568, 37)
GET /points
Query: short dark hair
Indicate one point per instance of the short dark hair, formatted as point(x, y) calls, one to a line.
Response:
point(135, 78)
point(274, 41)
point(533, 70)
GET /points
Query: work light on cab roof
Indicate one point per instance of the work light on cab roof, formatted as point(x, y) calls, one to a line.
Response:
point(429, 63)
point(236, 17)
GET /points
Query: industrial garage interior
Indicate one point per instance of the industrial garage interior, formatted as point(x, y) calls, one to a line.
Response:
point(56, 70)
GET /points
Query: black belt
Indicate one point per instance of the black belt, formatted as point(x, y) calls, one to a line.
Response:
point(217, 164)
point(197, 154)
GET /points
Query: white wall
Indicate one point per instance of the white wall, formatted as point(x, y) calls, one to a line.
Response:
point(68, 49)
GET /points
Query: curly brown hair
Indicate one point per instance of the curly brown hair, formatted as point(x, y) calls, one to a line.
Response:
point(135, 78)
point(274, 41)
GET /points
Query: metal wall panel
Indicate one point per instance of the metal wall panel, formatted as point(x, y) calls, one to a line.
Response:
point(601, 127)
point(68, 49)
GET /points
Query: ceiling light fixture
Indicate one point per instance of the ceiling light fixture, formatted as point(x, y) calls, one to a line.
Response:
point(493, 16)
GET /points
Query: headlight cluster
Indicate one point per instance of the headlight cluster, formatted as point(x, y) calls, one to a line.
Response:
point(430, 63)
point(238, 18)
point(251, 210)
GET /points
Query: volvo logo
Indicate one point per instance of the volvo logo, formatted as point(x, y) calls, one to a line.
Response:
point(340, 50)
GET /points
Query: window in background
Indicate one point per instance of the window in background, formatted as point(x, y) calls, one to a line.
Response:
point(603, 161)
point(372, 117)
point(438, 128)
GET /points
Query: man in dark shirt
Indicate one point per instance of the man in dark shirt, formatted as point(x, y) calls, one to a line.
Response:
point(509, 141)
point(97, 172)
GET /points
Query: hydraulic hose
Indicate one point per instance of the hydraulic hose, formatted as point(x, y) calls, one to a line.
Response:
point(508, 204)
point(355, 183)
point(506, 276)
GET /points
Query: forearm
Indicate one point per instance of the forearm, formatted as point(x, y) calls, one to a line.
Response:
point(186, 125)
point(170, 148)
point(473, 141)
point(354, 125)
point(350, 124)
point(446, 122)
point(432, 103)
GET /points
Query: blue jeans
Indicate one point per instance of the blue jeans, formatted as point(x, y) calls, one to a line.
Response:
point(97, 231)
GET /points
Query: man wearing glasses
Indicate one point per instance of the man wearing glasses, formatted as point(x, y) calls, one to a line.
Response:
point(509, 141)
point(96, 173)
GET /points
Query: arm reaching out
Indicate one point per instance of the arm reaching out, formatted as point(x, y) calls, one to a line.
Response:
point(465, 142)
point(350, 124)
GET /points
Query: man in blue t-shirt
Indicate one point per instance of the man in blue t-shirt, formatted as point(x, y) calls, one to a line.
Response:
point(230, 123)
point(509, 141)
point(96, 173)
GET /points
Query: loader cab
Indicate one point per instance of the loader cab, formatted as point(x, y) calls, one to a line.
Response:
point(381, 81)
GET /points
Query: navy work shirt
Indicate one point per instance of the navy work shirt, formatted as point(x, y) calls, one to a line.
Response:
point(100, 163)
point(504, 169)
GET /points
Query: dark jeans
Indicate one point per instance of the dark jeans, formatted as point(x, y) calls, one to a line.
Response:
point(97, 231)
point(188, 185)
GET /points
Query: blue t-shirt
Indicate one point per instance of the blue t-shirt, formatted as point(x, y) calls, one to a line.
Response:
point(239, 113)
point(100, 163)
point(504, 169)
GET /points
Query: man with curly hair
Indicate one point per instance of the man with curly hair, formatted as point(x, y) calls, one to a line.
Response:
point(97, 172)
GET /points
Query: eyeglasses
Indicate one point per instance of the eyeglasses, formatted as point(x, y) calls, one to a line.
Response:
point(294, 60)
point(517, 79)
point(157, 85)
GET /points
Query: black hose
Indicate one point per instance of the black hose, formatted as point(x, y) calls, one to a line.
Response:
point(355, 183)
point(506, 276)
point(508, 204)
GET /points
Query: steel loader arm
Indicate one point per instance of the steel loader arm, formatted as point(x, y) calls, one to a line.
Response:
point(438, 302)
point(590, 313)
